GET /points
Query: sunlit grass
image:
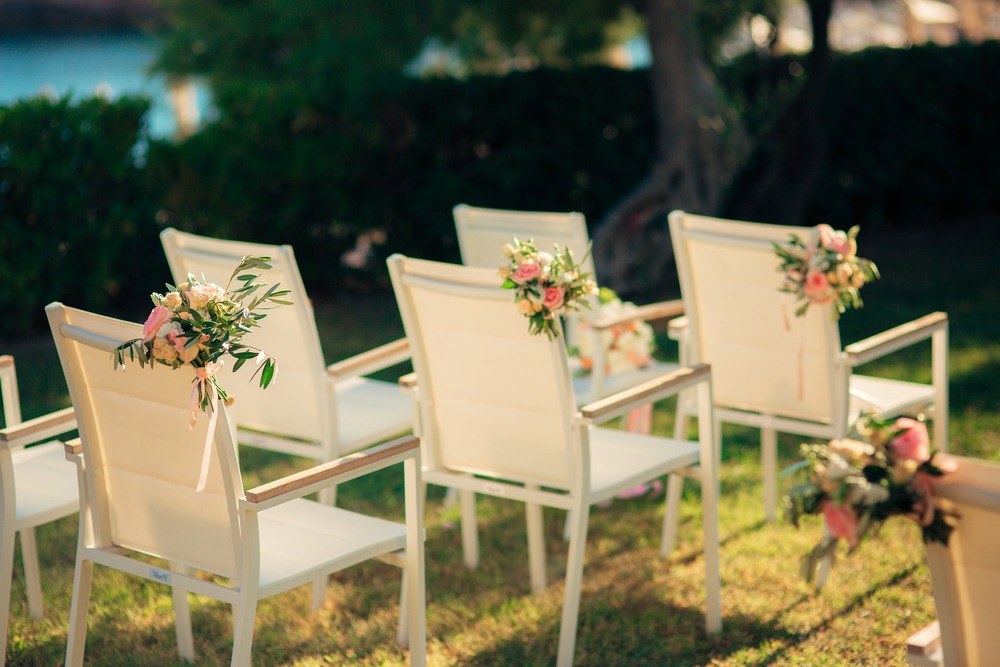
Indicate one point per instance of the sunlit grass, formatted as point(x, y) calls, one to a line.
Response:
point(637, 609)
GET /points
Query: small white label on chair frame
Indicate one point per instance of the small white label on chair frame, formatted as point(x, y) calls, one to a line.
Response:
point(161, 576)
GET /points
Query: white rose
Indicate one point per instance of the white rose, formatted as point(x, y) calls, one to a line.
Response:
point(168, 328)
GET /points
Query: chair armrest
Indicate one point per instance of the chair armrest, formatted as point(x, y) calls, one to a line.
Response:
point(677, 328)
point(340, 470)
point(618, 404)
point(653, 311)
point(924, 641)
point(73, 450)
point(896, 338)
point(372, 360)
point(38, 429)
point(408, 381)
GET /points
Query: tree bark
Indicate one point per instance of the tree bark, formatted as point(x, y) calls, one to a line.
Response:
point(632, 246)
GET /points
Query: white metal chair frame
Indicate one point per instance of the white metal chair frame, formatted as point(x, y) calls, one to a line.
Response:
point(849, 393)
point(37, 487)
point(965, 574)
point(109, 533)
point(622, 459)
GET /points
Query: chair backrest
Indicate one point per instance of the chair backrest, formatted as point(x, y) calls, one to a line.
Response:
point(297, 403)
point(764, 359)
point(482, 233)
point(965, 574)
point(142, 461)
point(495, 400)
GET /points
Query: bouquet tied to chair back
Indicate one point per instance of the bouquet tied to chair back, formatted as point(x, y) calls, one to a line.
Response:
point(627, 346)
point(857, 483)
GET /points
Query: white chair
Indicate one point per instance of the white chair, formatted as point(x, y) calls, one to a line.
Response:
point(965, 574)
point(777, 372)
point(312, 410)
point(138, 466)
point(37, 486)
point(499, 417)
point(482, 233)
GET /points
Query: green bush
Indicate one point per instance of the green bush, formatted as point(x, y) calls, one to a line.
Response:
point(75, 208)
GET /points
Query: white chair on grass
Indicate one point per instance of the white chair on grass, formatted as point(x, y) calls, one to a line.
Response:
point(37, 486)
point(499, 417)
point(312, 410)
point(482, 233)
point(965, 574)
point(138, 468)
point(777, 372)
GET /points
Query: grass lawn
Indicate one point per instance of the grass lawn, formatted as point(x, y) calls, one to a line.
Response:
point(636, 608)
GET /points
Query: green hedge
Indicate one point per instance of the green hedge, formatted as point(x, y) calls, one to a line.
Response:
point(914, 137)
point(76, 210)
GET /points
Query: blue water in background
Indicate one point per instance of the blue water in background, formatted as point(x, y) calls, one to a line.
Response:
point(114, 64)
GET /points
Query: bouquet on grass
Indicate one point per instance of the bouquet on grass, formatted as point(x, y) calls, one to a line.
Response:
point(198, 324)
point(627, 346)
point(858, 483)
point(824, 268)
point(545, 285)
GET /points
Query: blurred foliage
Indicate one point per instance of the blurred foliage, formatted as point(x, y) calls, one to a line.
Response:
point(75, 207)
point(83, 194)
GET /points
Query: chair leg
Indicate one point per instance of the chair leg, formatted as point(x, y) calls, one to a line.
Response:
point(182, 617)
point(769, 463)
point(402, 632)
point(318, 593)
point(672, 513)
point(32, 577)
point(246, 613)
point(536, 545)
point(574, 577)
point(713, 581)
point(77, 631)
point(6, 575)
point(470, 529)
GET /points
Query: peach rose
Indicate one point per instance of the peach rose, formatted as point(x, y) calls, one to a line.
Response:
point(817, 287)
point(172, 300)
point(157, 317)
point(842, 522)
point(187, 354)
point(200, 296)
point(554, 297)
point(913, 443)
point(164, 351)
point(526, 271)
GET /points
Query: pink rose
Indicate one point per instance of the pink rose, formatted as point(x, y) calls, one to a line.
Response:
point(553, 297)
point(526, 271)
point(817, 287)
point(842, 522)
point(913, 443)
point(157, 318)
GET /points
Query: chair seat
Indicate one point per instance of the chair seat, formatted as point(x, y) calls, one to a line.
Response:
point(583, 384)
point(887, 397)
point(302, 539)
point(620, 460)
point(370, 411)
point(46, 487)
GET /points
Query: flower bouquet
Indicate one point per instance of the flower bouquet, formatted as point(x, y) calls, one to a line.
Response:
point(627, 346)
point(857, 483)
point(197, 324)
point(824, 268)
point(545, 285)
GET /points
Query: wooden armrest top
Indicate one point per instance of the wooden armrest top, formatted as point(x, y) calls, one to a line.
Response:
point(324, 471)
point(925, 641)
point(372, 360)
point(653, 311)
point(38, 428)
point(408, 381)
point(896, 338)
point(666, 384)
point(6, 360)
point(73, 447)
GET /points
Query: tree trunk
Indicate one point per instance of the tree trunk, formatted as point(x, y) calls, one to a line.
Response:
point(631, 243)
point(779, 182)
